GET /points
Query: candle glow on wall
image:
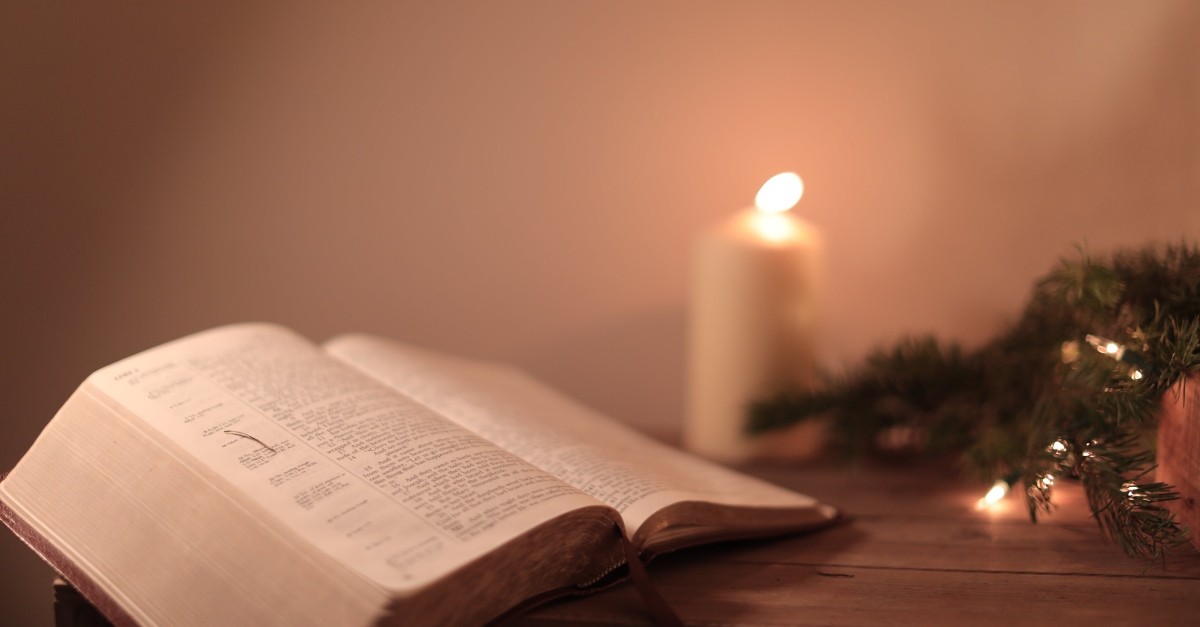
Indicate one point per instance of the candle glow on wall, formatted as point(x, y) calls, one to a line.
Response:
point(753, 317)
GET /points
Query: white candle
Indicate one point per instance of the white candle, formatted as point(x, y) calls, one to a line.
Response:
point(753, 319)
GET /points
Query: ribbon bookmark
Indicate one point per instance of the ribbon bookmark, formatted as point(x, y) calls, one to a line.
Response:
point(659, 609)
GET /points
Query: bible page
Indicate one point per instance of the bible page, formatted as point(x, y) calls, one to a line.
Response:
point(380, 482)
point(617, 465)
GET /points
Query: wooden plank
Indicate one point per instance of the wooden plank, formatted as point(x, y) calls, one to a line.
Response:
point(786, 594)
point(979, 546)
point(924, 491)
point(915, 552)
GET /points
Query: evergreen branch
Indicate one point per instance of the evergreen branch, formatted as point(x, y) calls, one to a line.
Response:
point(1127, 511)
point(1037, 401)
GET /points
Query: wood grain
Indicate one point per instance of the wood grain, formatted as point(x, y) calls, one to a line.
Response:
point(913, 552)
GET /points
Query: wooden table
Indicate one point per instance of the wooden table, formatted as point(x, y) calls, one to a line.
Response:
point(915, 552)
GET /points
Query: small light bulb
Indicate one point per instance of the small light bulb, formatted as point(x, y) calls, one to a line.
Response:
point(1104, 345)
point(1070, 352)
point(998, 491)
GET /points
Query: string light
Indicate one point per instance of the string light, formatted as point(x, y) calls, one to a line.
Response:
point(1070, 352)
point(1130, 489)
point(998, 491)
point(1106, 346)
point(1063, 453)
point(1059, 448)
point(1120, 353)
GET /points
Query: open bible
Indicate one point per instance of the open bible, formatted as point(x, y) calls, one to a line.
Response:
point(247, 476)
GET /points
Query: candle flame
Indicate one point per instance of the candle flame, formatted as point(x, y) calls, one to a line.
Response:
point(780, 193)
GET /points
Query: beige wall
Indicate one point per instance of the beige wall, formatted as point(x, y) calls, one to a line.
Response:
point(523, 180)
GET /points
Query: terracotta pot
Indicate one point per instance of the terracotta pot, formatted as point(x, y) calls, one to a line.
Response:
point(1179, 451)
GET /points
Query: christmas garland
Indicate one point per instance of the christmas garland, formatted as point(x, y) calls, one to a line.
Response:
point(1037, 402)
